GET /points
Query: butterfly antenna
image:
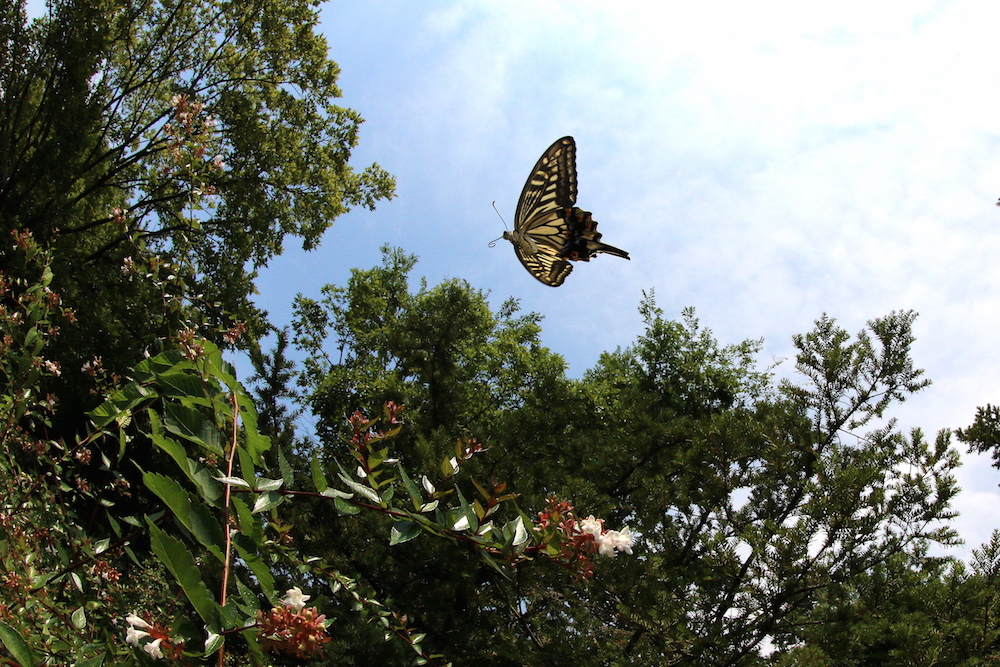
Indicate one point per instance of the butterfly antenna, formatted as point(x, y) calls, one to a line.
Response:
point(493, 243)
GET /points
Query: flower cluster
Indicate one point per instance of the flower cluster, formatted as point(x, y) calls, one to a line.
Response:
point(293, 628)
point(608, 541)
point(191, 138)
point(160, 646)
point(572, 541)
point(187, 124)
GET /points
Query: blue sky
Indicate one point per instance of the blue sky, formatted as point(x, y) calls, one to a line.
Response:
point(764, 163)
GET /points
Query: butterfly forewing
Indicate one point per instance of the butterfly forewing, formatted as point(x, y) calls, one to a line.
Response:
point(551, 186)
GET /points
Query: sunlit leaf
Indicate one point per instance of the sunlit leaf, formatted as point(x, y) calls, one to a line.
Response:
point(403, 531)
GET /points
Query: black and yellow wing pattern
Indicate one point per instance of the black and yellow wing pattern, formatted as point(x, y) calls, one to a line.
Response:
point(549, 230)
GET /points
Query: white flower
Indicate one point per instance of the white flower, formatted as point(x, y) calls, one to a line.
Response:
point(137, 622)
point(132, 636)
point(592, 526)
point(606, 544)
point(294, 598)
point(153, 649)
point(615, 540)
point(626, 538)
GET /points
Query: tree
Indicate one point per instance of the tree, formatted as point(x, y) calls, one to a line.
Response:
point(441, 351)
point(754, 500)
point(273, 375)
point(164, 151)
point(462, 372)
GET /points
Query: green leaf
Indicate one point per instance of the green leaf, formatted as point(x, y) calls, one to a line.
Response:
point(213, 643)
point(179, 561)
point(403, 531)
point(191, 513)
point(151, 368)
point(287, 475)
point(253, 440)
point(265, 484)
point(211, 491)
point(193, 425)
point(361, 489)
point(182, 384)
point(345, 508)
point(249, 525)
point(18, 648)
point(120, 403)
point(248, 467)
point(233, 481)
point(266, 501)
point(79, 619)
point(260, 570)
point(519, 534)
point(319, 479)
point(467, 510)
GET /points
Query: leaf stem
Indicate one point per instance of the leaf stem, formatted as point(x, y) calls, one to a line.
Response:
point(225, 522)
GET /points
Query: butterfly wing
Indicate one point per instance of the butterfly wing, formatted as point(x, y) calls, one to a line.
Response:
point(552, 184)
point(545, 266)
point(548, 228)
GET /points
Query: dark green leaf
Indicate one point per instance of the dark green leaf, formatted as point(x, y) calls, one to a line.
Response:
point(18, 648)
point(192, 513)
point(179, 561)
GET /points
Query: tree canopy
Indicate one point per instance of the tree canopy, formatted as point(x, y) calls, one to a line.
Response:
point(755, 499)
point(165, 151)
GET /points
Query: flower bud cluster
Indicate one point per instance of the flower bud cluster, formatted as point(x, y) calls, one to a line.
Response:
point(293, 628)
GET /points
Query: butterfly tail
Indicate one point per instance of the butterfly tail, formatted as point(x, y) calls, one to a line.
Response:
point(584, 240)
point(597, 246)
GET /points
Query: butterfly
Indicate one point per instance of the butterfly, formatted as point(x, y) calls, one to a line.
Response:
point(548, 228)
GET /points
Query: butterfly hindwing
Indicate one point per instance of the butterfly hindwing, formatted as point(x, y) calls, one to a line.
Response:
point(546, 267)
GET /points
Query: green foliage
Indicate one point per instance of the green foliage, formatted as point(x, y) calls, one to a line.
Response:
point(941, 613)
point(62, 581)
point(748, 495)
point(984, 433)
point(439, 351)
point(762, 521)
point(212, 518)
point(164, 151)
point(153, 156)
point(751, 497)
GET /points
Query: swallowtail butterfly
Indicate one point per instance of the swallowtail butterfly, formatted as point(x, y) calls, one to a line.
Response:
point(548, 228)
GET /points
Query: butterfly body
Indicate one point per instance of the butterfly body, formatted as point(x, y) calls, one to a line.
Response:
point(548, 228)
